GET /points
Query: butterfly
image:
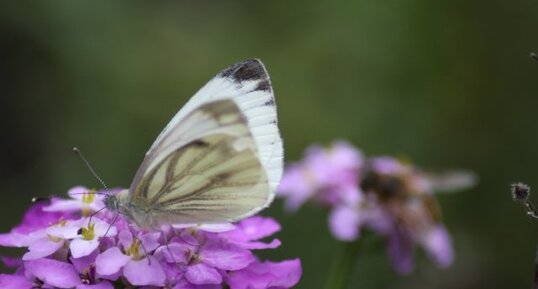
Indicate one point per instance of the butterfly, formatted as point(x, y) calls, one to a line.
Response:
point(219, 159)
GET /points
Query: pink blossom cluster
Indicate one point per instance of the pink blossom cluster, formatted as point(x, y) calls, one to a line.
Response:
point(382, 194)
point(69, 247)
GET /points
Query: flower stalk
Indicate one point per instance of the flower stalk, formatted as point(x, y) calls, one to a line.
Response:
point(343, 265)
point(521, 193)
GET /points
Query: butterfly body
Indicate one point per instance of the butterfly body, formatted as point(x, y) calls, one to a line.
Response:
point(218, 160)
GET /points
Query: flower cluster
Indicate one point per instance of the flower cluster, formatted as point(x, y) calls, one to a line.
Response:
point(382, 194)
point(69, 247)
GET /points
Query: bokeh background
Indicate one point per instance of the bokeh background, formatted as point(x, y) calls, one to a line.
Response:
point(446, 83)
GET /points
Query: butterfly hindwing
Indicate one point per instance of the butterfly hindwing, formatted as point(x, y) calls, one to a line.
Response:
point(215, 175)
point(224, 185)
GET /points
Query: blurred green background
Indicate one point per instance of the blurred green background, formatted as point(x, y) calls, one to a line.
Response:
point(446, 83)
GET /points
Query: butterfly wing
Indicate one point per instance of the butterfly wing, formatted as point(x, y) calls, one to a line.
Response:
point(248, 85)
point(220, 157)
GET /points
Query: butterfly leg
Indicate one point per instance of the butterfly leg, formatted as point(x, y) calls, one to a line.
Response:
point(135, 237)
point(165, 237)
point(111, 224)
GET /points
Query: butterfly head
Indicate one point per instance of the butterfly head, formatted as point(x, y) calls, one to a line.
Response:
point(114, 203)
point(111, 203)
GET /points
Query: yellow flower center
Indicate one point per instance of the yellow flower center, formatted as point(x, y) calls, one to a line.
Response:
point(88, 233)
point(89, 197)
point(134, 250)
point(87, 200)
point(192, 257)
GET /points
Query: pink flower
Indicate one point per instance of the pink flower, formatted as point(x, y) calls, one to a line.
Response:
point(82, 199)
point(88, 237)
point(203, 256)
point(326, 176)
point(248, 233)
point(382, 194)
point(266, 275)
point(92, 253)
point(53, 273)
point(138, 268)
point(52, 239)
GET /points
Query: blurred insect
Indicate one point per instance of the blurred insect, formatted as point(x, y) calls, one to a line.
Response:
point(407, 192)
point(218, 160)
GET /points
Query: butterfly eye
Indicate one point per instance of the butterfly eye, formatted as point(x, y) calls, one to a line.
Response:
point(79, 232)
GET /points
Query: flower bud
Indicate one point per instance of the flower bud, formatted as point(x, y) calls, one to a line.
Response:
point(520, 192)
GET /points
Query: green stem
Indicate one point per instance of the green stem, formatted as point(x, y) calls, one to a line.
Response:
point(343, 265)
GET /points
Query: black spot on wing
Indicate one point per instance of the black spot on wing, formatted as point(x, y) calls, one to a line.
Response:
point(270, 102)
point(263, 85)
point(251, 69)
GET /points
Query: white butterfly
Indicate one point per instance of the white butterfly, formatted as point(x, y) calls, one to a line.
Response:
point(219, 159)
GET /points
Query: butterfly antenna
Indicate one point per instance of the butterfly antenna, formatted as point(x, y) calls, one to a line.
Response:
point(95, 213)
point(79, 153)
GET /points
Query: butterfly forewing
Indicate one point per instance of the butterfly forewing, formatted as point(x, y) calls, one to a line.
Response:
point(215, 175)
point(248, 85)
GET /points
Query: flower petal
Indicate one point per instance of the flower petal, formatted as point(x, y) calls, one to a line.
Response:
point(258, 275)
point(201, 274)
point(110, 261)
point(80, 248)
point(184, 284)
point(102, 228)
point(438, 245)
point(54, 273)
point(69, 230)
point(174, 272)
point(275, 243)
point(20, 240)
point(64, 206)
point(296, 187)
point(254, 228)
point(42, 248)
point(15, 282)
point(173, 253)
point(144, 272)
point(77, 192)
point(83, 264)
point(344, 222)
point(226, 256)
point(126, 238)
point(150, 241)
point(400, 248)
